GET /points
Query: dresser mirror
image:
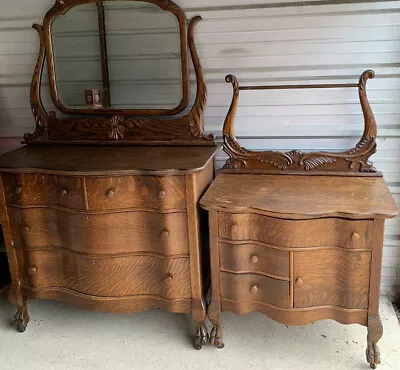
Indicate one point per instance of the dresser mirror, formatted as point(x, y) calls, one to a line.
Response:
point(129, 53)
point(118, 71)
point(124, 55)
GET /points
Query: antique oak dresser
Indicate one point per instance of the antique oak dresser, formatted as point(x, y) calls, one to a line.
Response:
point(299, 236)
point(100, 207)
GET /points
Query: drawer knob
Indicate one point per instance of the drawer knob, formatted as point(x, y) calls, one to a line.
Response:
point(162, 194)
point(355, 237)
point(299, 282)
point(164, 234)
point(254, 289)
point(26, 228)
point(32, 270)
point(64, 192)
point(110, 193)
point(18, 190)
point(169, 277)
point(235, 228)
point(254, 259)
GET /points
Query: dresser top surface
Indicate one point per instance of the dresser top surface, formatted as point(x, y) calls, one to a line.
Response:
point(107, 160)
point(296, 196)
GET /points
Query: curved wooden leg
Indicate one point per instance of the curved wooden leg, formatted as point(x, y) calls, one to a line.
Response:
point(21, 318)
point(214, 314)
point(201, 337)
point(375, 332)
point(199, 317)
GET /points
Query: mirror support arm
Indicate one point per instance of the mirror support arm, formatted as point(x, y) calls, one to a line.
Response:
point(38, 110)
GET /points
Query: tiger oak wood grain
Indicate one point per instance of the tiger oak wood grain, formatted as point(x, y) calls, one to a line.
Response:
point(253, 258)
point(326, 234)
point(108, 160)
point(143, 192)
point(25, 190)
point(331, 277)
point(294, 196)
point(109, 304)
point(297, 233)
point(112, 277)
point(253, 287)
point(110, 233)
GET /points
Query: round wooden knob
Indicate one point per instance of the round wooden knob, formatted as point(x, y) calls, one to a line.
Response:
point(299, 282)
point(32, 270)
point(235, 228)
point(162, 194)
point(110, 193)
point(18, 190)
point(169, 277)
point(254, 259)
point(64, 192)
point(164, 234)
point(254, 289)
point(355, 237)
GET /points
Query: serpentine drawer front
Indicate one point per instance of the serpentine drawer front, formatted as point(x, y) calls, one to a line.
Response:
point(123, 243)
point(319, 263)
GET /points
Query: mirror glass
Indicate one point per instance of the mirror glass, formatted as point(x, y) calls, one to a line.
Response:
point(118, 55)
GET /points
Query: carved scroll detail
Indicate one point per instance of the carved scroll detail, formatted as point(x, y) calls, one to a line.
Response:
point(39, 113)
point(196, 115)
point(353, 160)
point(188, 129)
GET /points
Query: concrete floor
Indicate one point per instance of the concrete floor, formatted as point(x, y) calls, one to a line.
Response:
point(62, 337)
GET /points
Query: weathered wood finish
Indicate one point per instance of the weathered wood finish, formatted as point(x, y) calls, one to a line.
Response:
point(108, 233)
point(108, 161)
point(108, 236)
point(254, 258)
point(26, 190)
point(353, 160)
point(142, 192)
point(168, 278)
point(331, 277)
point(296, 233)
point(253, 287)
point(299, 249)
point(291, 196)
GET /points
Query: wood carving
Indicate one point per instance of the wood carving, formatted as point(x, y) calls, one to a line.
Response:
point(353, 160)
point(39, 113)
point(117, 126)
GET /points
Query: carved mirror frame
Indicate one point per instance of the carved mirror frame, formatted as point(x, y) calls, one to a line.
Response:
point(352, 161)
point(110, 127)
point(62, 7)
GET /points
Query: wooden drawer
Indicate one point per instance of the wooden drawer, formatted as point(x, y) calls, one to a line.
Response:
point(332, 277)
point(143, 192)
point(26, 190)
point(296, 233)
point(252, 258)
point(110, 233)
point(257, 288)
point(107, 277)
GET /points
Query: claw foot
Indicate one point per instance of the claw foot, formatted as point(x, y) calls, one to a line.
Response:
point(373, 355)
point(21, 319)
point(216, 337)
point(201, 337)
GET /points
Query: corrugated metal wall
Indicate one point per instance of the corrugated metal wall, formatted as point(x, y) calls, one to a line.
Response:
point(264, 42)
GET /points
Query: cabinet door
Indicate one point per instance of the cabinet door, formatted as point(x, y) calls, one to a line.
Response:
point(331, 277)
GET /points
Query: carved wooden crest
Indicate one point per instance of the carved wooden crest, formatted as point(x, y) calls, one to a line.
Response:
point(353, 160)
